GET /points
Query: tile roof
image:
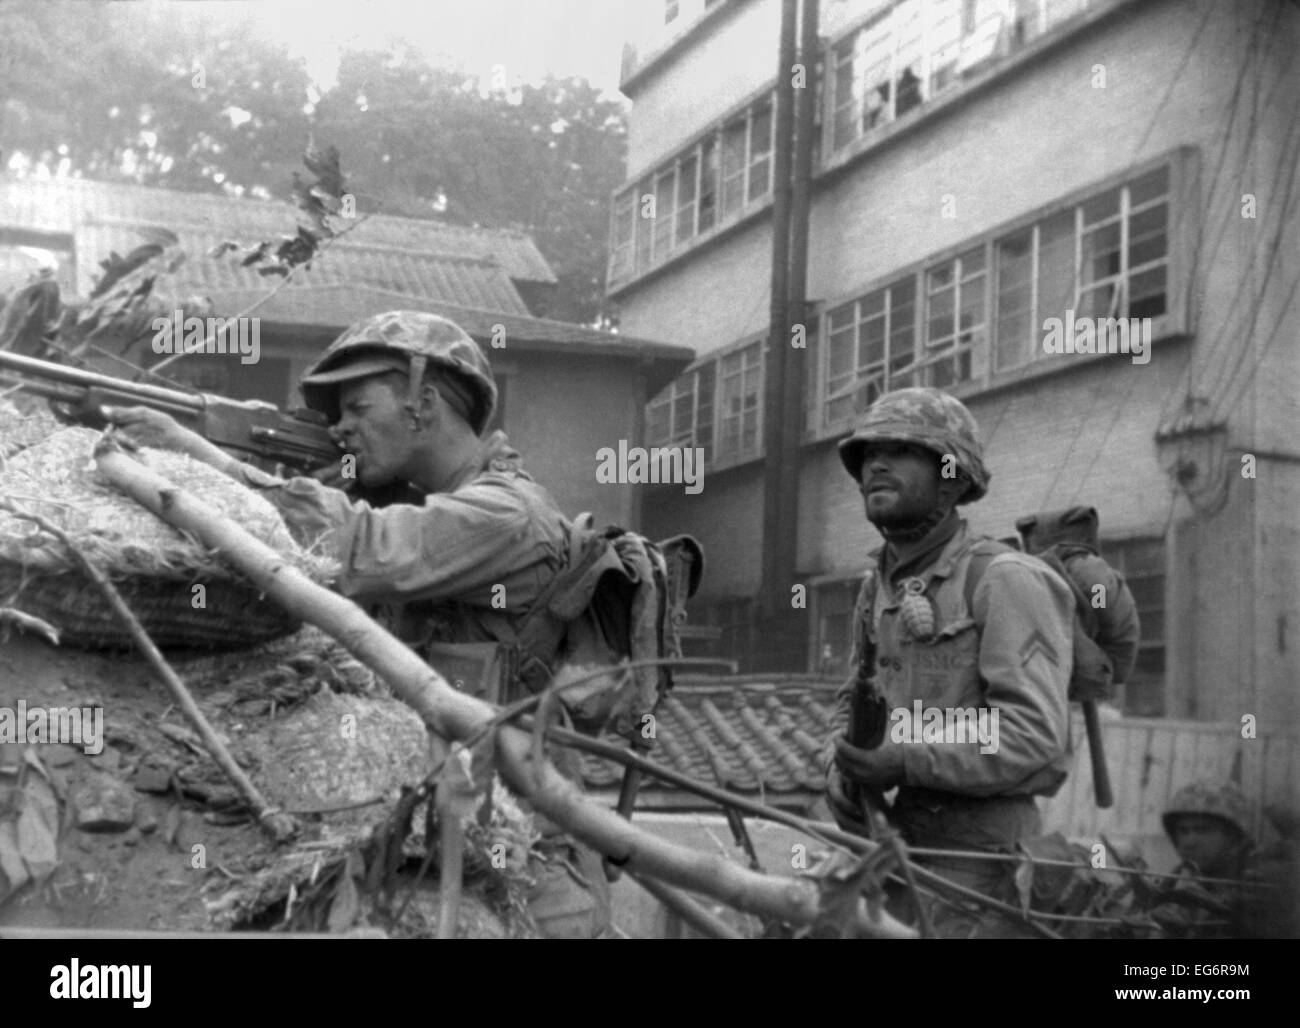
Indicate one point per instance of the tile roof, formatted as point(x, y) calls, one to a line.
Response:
point(471, 267)
point(757, 737)
point(338, 305)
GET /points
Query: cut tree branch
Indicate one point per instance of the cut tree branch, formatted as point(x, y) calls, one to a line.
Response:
point(455, 715)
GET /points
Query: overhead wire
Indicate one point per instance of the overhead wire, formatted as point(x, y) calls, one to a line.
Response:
point(1225, 388)
point(1063, 463)
point(1191, 371)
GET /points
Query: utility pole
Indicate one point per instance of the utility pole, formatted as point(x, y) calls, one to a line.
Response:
point(784, 633)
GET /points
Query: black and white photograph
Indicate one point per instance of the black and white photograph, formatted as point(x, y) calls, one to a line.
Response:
point(650, 470)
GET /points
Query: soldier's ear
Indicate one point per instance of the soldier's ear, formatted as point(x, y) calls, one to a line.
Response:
point(952, 489)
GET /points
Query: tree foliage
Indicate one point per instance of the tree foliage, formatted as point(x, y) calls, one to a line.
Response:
point(178, 98)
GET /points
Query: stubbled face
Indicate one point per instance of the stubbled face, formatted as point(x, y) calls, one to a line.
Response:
point(899, 483)
point(375, 427)
point(1207, 842)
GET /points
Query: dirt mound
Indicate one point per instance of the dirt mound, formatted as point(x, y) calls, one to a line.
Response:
point(138, 828)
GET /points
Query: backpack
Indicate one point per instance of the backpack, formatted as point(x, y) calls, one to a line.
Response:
point(1106, 628)
point(620, 597)
point(1104, 639)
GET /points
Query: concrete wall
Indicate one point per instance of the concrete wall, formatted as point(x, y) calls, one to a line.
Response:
point(559, 411)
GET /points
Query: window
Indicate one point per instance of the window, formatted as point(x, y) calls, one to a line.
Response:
point(894, 64)
point(719, 399)
point(1107, 257)
point(916, 49)
point(967, 317)
point(954, 319)
point(870, 345)
point(682, 415)
point(834, 643)
point(708, 184)
point(1142, 563)
point(739, 395)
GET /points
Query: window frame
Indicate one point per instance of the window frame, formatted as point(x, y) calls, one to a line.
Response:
point(707, 415)
point(630, 260)
point(1181, 228)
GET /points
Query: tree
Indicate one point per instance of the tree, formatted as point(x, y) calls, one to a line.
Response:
point(178, 98)
point(164, 97)
point(544, 159)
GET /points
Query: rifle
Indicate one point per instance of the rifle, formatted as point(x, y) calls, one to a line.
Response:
point(252, 428)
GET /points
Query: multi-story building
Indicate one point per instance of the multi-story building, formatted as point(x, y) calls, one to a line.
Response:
point(981, 167)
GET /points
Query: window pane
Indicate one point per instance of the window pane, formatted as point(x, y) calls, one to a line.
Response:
point(871, 343)
point(686, 199)
point(663, 220)
point(760, 148)
point(708, 184)
point(1147, 294)
point(972, 262)
point(1099, 302)
point(1149, 186)
point(1014, 335)
point(907, 61)
point(657, 422)
point(1099, 252)
point(644, 225)
point(1055, 266)
point(1100, 208)
point(939, 325)
point(733, 167)
point(1146, 236)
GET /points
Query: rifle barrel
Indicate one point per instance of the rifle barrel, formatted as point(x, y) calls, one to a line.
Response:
point(42, 377)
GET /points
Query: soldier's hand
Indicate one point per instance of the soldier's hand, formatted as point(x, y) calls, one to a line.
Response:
point(143, 426)
point(842, 798)
point(880, 768)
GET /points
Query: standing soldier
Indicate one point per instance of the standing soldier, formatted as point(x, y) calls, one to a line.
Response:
point(408, 395)
point(959, 625)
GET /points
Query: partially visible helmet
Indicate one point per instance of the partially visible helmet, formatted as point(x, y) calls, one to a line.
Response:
point(1225, 802)
point(408, 341)
point(925, 417)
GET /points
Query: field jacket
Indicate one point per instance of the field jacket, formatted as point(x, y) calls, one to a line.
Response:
point(1009, 652)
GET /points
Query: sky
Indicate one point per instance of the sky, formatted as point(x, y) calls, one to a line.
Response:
point(527, 39)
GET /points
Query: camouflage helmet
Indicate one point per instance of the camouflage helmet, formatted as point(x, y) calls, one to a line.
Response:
point(926, 417)
point(1225, 802)
point(407, 341)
